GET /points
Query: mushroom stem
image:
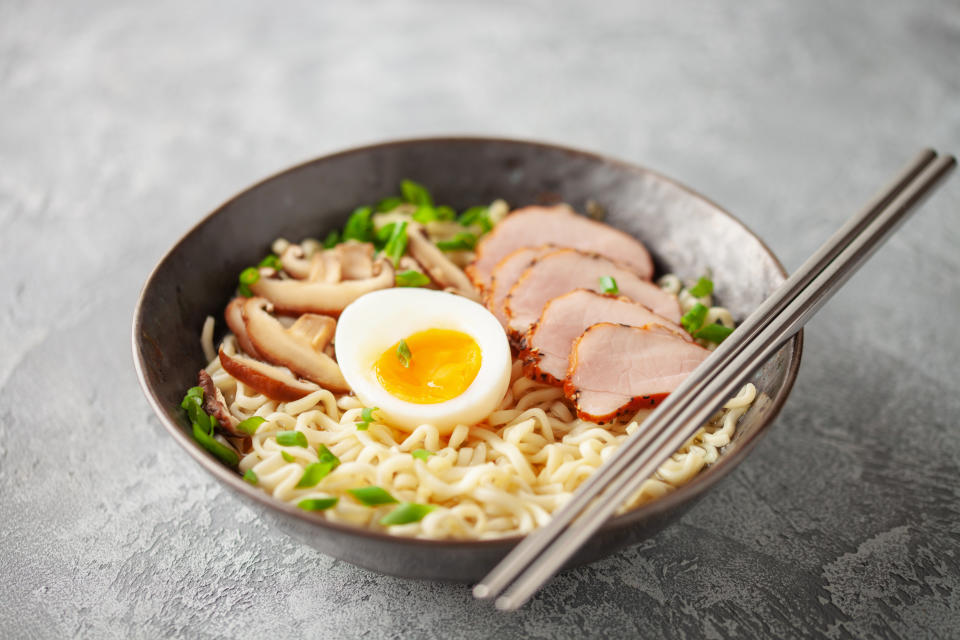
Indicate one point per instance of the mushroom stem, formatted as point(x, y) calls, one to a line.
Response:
point(271, 381)
point(298, 296)
point(437, 265)
point(234, 317)
point(293, 349)
point(215, 405)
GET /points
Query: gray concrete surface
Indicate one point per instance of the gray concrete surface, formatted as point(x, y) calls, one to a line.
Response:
point(122, 123)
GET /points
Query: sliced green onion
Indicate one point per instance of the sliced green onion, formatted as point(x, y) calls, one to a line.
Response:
point(251, 424)
point(704, 287)
point(446, 213)
point(325, 455)
point(247, 277)
point(193, 404)
point(314, 473)
point(406, 513)
point(286, 456)
point(389, 204)
point(317, 471)
point(366, 417)
point(462, 241)
point(713, 333)
point(422, 454)
point(292, 439)
point(372, 496)
point(359, 225)
point(382, 235)
point(272, 261)
point(609, 285)
point(332, 239)
point(192, 392)
point(220, 451)
point(403, 354)
point(412, 278)
point(693, 319)
point(415, 193)
point(476, 215)
point(397, 244)
point(317, 504)
point(251, 476)
point(425, 213)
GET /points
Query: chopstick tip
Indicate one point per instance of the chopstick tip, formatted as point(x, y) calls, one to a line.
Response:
point(481, 591)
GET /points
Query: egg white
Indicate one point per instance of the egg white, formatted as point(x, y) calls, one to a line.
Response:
point(376, 321)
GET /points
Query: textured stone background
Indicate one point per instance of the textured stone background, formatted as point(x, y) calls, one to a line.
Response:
point(122, 123)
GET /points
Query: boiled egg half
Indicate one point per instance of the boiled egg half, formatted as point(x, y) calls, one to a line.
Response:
point(422, 356)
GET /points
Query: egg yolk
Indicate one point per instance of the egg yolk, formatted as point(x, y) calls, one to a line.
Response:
point(442, 364)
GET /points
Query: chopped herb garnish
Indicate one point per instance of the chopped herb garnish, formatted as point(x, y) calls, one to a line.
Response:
point(286, 456)
point(271, 261)
point(203, 426)
point(693, 319)
point(462, 241)
point(192, 392)
point(247, 277)
point(412, 278)
point(415, 193)
point(325, 455)
point(359, 225)
point(713, 333)
point(425, 213)
point(317, 471)
point(193, 404)
point(382, 235)
point(251, 424)
point(446, 213)
point(397, 244)
point(403, 354)
point(292, 439)
point(422, 454)
point(251, 476)
point(476, 215)
point(389, 204)
point(372, 496)
point(609, 285)
point(366, 417)
point(704, 287)
point(317, 504)
point(332, 239)
point(314, 473)
point(221, 451)
point(406, 513)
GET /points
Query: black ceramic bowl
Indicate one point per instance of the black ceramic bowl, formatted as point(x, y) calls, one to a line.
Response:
point(685, 232)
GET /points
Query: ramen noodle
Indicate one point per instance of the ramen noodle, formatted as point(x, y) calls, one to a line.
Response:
point(503, 476)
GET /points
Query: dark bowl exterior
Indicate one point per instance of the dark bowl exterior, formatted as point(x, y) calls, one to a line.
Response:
point(686, 233)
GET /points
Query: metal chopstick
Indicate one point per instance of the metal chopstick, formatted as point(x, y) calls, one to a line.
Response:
point(669, 439)
point(627, 467)
point(524, 553)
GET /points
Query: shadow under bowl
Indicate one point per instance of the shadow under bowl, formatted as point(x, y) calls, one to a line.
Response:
point(686, 234)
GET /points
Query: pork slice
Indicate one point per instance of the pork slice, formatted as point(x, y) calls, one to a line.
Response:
point(546, 347)
point(617, 369)
point(506, 274)
point(562, 227)
point(564, 270)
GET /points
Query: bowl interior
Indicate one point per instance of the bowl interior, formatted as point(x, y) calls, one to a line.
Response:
point(686, 234)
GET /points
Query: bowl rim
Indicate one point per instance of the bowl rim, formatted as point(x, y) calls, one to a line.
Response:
point(688, 492)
